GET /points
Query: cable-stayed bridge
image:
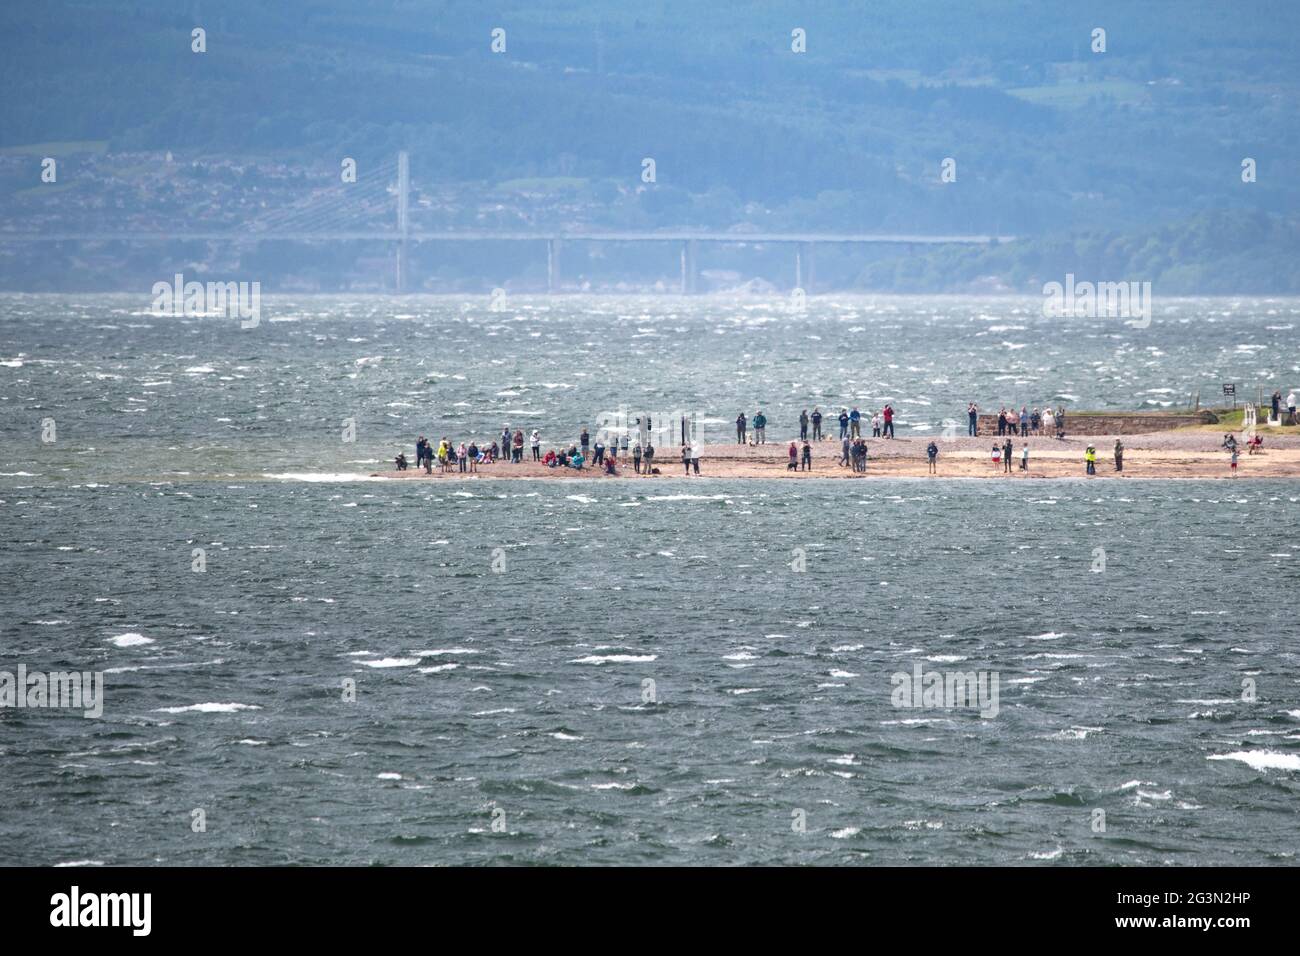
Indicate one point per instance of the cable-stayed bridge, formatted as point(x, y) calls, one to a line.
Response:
point(355, 211)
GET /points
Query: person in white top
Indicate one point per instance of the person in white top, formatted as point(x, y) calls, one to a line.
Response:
point(537, 445)
point(1290, 404)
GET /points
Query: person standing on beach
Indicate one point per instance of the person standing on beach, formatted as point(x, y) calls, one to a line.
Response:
point(844, 449)
point(794, 458)
point(584, 440)
point(1234, 462)
point(807, 456)
point(844, 423)
point(972, 420)
point(686, 459)
point(1290, 407)
point(636, 458)
point(505, 442)
point(1024, 421)
point(1277, 403)
point(803, 425)
point(932, 457)
point(600, 453)
point(997, 456)
point(817, 424)
point(536, 441)
point(741, 422)
point(649, 458)
point(1007, 449)
point(1090, 460)
point(1024, 457)
point(1002, 422)
point(519, 446)
point(760, 428)
point(1119, 455)
point(875, 425)
point(695, 455)
point(889, 421)
point(473, 456)
point(855, 423)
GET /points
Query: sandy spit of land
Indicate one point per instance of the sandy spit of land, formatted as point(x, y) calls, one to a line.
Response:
point(1169, 454)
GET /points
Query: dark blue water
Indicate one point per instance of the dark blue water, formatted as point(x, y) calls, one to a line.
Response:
point(523, 690)
point(586, 672)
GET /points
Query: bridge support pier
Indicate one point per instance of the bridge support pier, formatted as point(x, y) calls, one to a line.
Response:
point(689, 268)
point(803, 267)
point(552, 266)
point(403, 223)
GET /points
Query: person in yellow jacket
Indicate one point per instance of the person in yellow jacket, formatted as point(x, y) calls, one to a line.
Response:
point(444, 452)
point(1090, 460)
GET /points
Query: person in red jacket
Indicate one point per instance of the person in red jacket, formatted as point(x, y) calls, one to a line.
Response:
point(889, 421)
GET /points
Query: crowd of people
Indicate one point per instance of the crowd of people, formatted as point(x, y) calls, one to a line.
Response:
point(1024, 423)
point(448, 457)
point(753, 431)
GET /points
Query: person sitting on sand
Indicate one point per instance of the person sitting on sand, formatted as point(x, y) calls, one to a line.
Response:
point(610, 465)
point(551, 459)
point(932, 457)
point(1255, 445)
point(577, 461)
point(794, 458)
point(400, 461)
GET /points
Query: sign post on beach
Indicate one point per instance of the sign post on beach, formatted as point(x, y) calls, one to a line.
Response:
point(1230, 388)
